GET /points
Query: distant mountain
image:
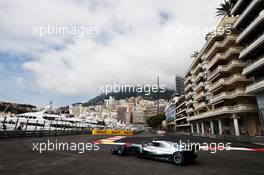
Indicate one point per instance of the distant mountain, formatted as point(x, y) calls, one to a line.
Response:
point(124, 95)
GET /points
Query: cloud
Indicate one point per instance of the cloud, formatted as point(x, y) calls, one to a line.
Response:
point(134, 45)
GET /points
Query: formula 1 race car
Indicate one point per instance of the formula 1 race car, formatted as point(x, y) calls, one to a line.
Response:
point(161, 150)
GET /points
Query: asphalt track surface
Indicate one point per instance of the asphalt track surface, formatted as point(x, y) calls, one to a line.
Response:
point(17, 157)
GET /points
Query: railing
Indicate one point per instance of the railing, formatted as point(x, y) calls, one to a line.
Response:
point(219, 44)
point(200, 75)
point(229, 95)
point(199, 66)
point(250, 26)
point(245, 12)
point(225, 110)
point(227, 67)
point(20, 127)
point(200, 95)
point(252, 45)
point(188, 95)
point(188, 87)
point(181, 111)
point(255, 86)
point(189, 110)
point(254, 64)
point(189, 102)
point(199, 86)
point(200, 105)
point(224, 55)
point(226, 81)
point(187, 79)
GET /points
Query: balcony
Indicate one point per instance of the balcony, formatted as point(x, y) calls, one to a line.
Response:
point(259, 20)
point(241, 108)
point(236, 6)
point(189, 87)
point(199, 86)
point(180, 105)
point(181, 111)
point(254, 66)
point(240, 19)
point(188, 95)
point(197, 68)
point(183, 125)
point(228, 81)
point(227, 68)
point(181, 118)
point(189, 102)
point(221, 44)
point(189, 110)
point(199, 96)
point(249, 49)
point(200, 105)
point(222, 56)
point(198, 77)
point(228, 95)
point(188, 80)
point(255, 88)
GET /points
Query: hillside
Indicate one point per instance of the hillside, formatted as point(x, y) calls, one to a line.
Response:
point(124, 95)
point(15, 108)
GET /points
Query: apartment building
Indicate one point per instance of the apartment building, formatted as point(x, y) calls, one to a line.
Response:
point(250, 24)
point(181, 123)
point(216, 102)
point(179, 85)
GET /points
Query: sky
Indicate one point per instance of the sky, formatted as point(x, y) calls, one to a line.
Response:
point(64, 50)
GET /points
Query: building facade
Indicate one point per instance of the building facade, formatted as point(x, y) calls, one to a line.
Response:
point(179, 85)
point(215, 88)
point(250, 24)
point(182, 125)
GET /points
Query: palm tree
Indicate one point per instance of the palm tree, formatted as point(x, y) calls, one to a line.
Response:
point(225, 8)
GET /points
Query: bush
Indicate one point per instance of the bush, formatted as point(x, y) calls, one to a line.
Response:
point(156, 121)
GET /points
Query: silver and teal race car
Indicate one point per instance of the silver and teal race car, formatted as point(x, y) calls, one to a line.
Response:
point(158, 149)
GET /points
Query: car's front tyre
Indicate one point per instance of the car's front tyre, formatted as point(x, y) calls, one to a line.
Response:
point(178, 158)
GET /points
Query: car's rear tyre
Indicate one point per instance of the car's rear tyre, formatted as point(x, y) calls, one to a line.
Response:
point(121, 150)
point(178, 158)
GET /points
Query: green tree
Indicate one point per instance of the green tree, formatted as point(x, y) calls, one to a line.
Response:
point(156, 121)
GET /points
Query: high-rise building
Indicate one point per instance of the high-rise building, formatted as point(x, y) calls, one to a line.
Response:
point(179, 85)
point(250, 24)
point(215, 87)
